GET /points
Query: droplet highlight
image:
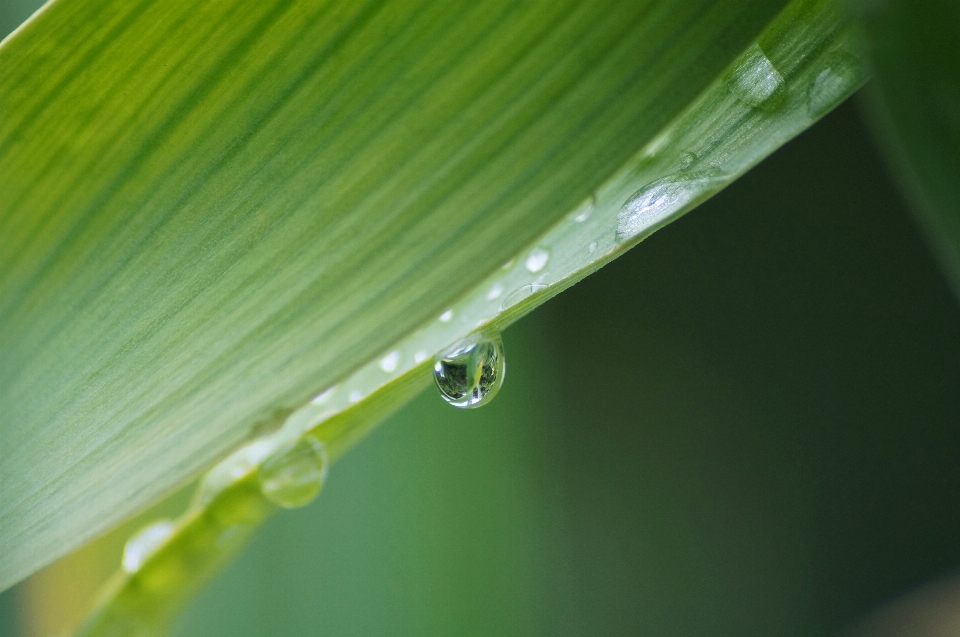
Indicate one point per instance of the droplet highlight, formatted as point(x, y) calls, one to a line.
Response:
point(584, 214)
point(294, 476)
point(145, 543)
point(652, 205)
point(446, 316)
point(756, 80)
point(537, 259)
point(471, 373)
point(495, 291)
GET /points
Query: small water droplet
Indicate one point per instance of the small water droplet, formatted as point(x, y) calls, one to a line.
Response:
point(584, 214)
point(537, 259)
point(756, 81)
point(687, 160)
point(495, 291)
point(843, 73)
point(655, 202)
point(446, 316)
point(470, 374)
point(389, 362)
point(324, 396)
point(145, 543)
point(355, 396)
point(520, 294)
point(419, 357)
point(293, 477)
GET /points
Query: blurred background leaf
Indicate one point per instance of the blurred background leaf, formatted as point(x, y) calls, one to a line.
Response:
point(916, 110)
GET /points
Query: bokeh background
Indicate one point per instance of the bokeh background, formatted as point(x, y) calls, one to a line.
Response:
point(748, 425)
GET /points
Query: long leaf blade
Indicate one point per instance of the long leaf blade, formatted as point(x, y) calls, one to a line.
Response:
point(163, 299)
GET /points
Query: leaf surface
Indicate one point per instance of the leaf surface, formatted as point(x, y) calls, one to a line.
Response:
point(210, 214)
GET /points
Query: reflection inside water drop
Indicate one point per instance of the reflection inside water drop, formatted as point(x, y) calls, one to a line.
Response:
point(293, 477)
point(470, 374)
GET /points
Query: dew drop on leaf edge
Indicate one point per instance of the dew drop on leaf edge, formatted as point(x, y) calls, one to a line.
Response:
point(658, 200)
point(471, 373)
point(294, 476)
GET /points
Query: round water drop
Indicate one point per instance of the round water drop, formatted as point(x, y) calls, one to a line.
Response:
point(470, 374)
point(145, 543)
point(843, 74)
point(293, 477)
point(650, 206)
point(537, 259)
point(756, 81)
point(446, 316)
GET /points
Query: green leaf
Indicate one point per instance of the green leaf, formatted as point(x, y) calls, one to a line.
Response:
point(916, 109)
point(207, 216)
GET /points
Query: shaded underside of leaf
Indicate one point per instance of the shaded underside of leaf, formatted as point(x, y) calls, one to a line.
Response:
point(210, 212)
point(916, 106)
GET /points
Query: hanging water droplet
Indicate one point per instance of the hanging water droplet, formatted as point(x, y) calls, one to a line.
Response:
point(645, 211)
point(756, 81)
point(843, 73)
point(537, 259)
point(470, 374)
point(293, 477)
point(145, 543)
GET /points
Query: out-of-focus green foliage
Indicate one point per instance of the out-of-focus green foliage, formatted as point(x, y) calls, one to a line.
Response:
point(915, 47)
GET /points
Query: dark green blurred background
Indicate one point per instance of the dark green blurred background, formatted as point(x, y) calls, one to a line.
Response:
point(748, 425)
